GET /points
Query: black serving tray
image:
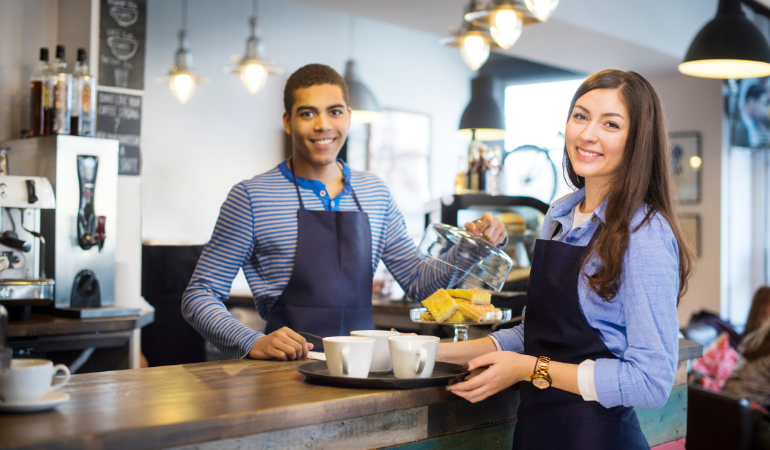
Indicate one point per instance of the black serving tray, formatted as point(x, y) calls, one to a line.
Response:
point(443, 374)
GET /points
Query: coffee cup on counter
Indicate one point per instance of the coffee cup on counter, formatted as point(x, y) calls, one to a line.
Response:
point(381, 358)
point(349, 356)
point(28, 380)
point(413, 356)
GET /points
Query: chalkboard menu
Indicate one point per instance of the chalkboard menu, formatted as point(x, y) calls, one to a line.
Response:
point(122, 38)
point(119, 116)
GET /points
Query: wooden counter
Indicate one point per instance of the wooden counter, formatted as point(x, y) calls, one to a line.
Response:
point(266, 404)
point(114, 339)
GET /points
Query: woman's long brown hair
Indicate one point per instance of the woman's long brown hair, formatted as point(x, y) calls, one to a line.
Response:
point(643, 179)
point(758, 305)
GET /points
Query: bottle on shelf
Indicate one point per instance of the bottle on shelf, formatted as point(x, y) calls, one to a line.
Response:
point(83, 111)
point(482, 167)
point(62, 95)
point(473, 173)
point(37, 95)
point(495, 181)
point(461, 180)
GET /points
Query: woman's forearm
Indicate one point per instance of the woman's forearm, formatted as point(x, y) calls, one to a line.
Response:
point(564, 376)
point(462, 352)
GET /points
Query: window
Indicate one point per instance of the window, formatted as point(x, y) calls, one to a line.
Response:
point(536, 114)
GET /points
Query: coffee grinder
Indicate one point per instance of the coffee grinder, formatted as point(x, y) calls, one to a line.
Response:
point(23, 281)
point(81, 231)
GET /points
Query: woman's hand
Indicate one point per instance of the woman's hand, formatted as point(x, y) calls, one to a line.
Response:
point(490, 229)
point(505, 369)
point(462, 352)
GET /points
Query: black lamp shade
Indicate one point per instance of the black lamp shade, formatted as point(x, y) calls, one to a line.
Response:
point(361, 99)
point(482, 113)
point(730, 46)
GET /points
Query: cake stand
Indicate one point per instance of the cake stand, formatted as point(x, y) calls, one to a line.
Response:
point(461, 328)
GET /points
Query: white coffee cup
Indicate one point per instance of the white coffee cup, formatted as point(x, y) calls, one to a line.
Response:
point(381, 358)
point(413, 356)
point(348, 356)
point(30, 379)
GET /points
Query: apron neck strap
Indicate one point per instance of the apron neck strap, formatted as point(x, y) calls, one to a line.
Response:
point(301, 204)
point(356, 198)
point(294, 177)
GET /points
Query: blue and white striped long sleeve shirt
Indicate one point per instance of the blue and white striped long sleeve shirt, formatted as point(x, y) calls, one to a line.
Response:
point(640, 325)
point(257, 230)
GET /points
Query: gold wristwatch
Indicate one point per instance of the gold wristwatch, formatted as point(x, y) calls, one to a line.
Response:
point(540, 378)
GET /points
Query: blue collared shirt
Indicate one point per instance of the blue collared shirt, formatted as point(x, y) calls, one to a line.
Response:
point(318, 187)
point(640, 326)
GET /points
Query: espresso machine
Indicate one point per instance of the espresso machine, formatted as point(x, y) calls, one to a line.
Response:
point(80, 231)
point(23, 281)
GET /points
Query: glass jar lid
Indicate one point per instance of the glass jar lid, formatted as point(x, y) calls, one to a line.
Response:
point(456, 258)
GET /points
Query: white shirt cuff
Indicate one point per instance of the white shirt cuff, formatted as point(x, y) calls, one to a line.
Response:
point(586, 383)
point(497, 344)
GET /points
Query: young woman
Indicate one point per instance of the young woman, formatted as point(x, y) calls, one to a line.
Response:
point(600, 332)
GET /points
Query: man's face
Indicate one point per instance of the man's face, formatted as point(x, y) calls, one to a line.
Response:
point(318, 124)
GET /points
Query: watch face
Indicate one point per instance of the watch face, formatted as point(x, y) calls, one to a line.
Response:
point(540, 383)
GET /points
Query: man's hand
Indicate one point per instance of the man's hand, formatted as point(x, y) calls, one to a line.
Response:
point(283, 344)
point(489, 228)
point(505, 369)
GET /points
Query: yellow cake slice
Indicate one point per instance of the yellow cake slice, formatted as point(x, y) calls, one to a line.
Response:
point(427, 317)
point(476, 313)
point(475, 296)
point(457, 317)
point(441, 305)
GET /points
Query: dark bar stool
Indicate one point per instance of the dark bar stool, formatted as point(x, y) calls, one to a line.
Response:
point(166, 272)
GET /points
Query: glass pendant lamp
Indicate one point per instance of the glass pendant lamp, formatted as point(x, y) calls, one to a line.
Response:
point(182, 78)
point(474, 43)
point(504, 19)
point(542, 9)
point(253, 68)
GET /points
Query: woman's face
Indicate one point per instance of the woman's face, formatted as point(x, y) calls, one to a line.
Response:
point(596, 135)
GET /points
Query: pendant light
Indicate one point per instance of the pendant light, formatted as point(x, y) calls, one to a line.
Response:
point(730, 46)
point(542, 9)
point(504, 19)
point(475, 43)
point(253, 67)
point(482, 119)
point(181, 78)
point(366, 108)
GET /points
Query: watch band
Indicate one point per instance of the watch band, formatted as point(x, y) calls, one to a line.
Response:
point(541, 368)
point(540, 378)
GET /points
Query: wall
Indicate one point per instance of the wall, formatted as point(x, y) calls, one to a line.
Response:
point(25, 26)
point(695, 104)
point(194, 153)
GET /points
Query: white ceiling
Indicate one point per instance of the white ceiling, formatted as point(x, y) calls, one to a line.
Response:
point(649, 36)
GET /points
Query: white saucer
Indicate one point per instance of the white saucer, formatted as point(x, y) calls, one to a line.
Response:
point(48, 401)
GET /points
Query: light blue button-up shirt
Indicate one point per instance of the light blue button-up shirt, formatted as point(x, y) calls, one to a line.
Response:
point(640, 326)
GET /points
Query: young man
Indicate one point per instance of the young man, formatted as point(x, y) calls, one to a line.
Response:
point(309, 235)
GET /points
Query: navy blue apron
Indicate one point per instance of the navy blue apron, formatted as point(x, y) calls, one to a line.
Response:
point(556, 327)
point(330, 288)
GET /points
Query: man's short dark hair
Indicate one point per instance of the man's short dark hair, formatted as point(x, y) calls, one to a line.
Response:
point(312, 75)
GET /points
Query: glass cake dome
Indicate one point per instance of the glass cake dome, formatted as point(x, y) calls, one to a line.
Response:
point(458, 259)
